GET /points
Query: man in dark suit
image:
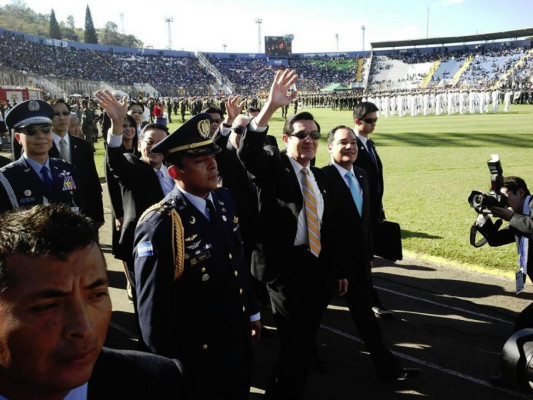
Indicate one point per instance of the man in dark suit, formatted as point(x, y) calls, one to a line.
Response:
point(55, 311)
point(365, 116)
point(190, 271)
point(35, 178)
point(296, 242)
point(4, 161)
point(349, 190)
point(144, 180)
point(79, 153)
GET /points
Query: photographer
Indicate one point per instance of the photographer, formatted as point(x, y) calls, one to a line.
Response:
point(520, 229)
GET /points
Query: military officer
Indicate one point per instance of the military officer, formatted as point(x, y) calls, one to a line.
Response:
point(194, 300)
point(36, 178)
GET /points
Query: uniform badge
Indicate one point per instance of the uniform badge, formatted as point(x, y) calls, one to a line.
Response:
point(204, 128)
point(224, 218)
point(145, 249)
point(221, 202)
point(191, 238)
point(205, 277)
point(235, 220)
point(192, 220)
point(68, 181)
point(27, 193)
point(33, 106)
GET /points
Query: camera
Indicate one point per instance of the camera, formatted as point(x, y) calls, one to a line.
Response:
point(480, 201)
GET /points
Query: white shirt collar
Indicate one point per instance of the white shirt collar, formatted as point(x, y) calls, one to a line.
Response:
point(199, 202)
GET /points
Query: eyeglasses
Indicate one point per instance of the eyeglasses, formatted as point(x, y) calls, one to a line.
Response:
point(315, 135)
point(64, 113)
point(216, 121)
point(35, 129)
point(136, 112)
point(370, 120)
point(240, 130)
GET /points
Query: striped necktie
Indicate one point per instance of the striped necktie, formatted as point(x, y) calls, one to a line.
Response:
point(311, 214)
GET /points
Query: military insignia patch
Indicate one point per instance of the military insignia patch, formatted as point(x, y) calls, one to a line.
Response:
point(33, 106)
point(204, 128)
point(145, 249)
point(68, 181)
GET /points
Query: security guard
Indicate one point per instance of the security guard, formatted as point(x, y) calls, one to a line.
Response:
point(35, 178)
point(193, 294)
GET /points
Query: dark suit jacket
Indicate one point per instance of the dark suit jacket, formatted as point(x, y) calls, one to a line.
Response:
point(128, 374)
point(4, 161)
point(140, 189)
point(375, 180)
point(178, 317)
point(29, 190)
point(82, 157)
point(520, 225)
point(355, 229)
point(280, 202)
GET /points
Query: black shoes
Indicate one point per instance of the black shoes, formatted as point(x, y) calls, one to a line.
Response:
point(399, 375)
point(382, 312)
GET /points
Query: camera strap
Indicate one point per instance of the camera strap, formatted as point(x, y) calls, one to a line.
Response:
point(473, 231)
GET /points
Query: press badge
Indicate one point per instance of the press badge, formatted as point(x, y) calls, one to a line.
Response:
point(519, 281)
point(145, 249)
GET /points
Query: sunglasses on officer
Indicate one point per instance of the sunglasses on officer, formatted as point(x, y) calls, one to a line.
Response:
point(315, 135)
point(370, 120)
point(35, 129)
point(64, 113)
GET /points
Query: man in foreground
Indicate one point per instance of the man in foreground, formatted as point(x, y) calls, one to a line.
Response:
point(55, 311)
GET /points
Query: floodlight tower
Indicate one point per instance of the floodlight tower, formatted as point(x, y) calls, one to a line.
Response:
point(363, 29)
point(337, 38)
point(259, 21)
point(169, 20)
point(224, 46)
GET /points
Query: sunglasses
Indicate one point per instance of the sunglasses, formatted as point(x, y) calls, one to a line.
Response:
point(64, 113)
point(239, 130)
point(216, 121)
point(370, 120)
point(137, 112)
point(315, 135)
point(35, 129)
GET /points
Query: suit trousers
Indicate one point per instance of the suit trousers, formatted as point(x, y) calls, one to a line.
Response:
point(298, 297)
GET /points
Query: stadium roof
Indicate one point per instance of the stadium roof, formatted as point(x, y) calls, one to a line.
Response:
point(519, 33)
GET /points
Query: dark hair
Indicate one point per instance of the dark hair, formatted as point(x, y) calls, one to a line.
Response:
point(42, 230)
point(331, 134)
point(252, 109)
point(60, 101)
point(150, 127)
point(303, 116)
point(214, 110)
point(364, 108)
point(513, 183)
point(135, 103)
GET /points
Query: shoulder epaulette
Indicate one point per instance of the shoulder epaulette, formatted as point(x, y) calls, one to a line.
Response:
point(153, 207)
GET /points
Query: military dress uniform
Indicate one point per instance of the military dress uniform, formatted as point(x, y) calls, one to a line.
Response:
point(193, 296)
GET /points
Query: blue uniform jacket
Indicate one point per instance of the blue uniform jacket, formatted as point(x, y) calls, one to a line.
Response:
point(202, 317)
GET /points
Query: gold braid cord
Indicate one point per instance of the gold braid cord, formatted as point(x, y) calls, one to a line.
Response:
point(178, 243)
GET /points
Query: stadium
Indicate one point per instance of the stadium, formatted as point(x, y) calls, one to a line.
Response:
point(446, 104)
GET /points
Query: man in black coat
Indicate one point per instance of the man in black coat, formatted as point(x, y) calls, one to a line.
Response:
point(365, 117)
point(296, 244)
point(55, 311)
point(193, 287)
point(4, 161)
point(349, 190)
point(35, 178)
point(79, 153)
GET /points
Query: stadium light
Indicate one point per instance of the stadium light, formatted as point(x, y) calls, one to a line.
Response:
point(258, 21)
point(337, 37)
point(169, 20)
point(363, 29)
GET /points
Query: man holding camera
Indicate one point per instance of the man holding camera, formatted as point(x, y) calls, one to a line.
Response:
point(520, 230)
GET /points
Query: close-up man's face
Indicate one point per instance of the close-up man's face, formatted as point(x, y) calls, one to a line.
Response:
point(515, 200)
point(61, 120)
point(367, 124)
point(150, 139)
point(216, 120)
point(55, 314)
point(343, 149)
point(35, 139)
point(302, 150)
point(199, 175)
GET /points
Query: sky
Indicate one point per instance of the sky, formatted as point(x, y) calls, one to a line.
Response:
point(317, 25)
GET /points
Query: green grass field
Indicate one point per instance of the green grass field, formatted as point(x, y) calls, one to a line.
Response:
point(431, 164)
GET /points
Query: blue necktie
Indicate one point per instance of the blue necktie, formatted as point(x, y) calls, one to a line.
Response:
point(358, 200)
point(48, 182)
